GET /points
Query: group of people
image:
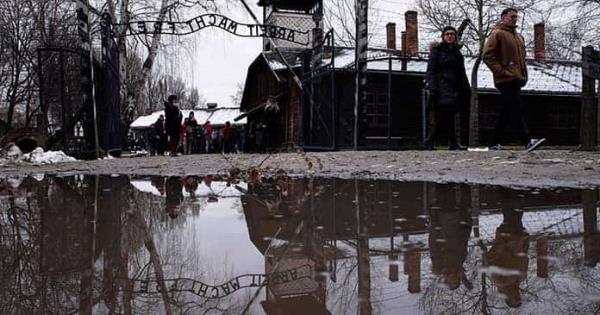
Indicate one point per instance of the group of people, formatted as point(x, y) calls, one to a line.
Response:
point(170, 135)
point(451, 225)
point(450, 92)
point(172, 188)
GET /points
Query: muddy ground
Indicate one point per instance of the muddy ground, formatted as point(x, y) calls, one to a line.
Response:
point(542, 168)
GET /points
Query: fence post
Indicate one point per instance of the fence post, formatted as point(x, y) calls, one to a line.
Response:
point(360, 65)
point(589, 121)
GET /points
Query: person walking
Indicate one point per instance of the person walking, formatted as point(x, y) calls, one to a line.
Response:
point(160, 137)
point(208, 130)
point(173, 117)
point(189, 126)
point(448, 86)
point(504, 53)
point(228, 138)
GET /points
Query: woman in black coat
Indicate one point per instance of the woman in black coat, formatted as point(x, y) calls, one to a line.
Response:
point(448, 86)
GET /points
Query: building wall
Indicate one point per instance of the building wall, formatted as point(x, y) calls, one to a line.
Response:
point(555, 118)
point(294, 118)
point(405, 114)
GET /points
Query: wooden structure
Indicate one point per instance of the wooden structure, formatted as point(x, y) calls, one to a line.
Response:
point(321, 114)
point(590, 131)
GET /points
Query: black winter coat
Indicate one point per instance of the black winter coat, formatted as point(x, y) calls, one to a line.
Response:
point(173, 118)
point(158, 129)
point(446, 78)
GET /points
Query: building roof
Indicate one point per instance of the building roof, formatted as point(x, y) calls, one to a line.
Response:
point(552, 77)
point(216, 116)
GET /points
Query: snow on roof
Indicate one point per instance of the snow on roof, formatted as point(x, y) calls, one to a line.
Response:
point(220, 116)
point(556, 77)
point(145, 186)
point(216, 116)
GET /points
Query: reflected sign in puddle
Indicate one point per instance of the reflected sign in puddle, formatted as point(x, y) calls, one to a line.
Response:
point(201, 245)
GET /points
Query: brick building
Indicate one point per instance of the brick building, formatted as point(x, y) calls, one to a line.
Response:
point(320, 115)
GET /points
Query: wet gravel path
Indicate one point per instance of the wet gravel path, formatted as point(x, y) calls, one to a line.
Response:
point(543, 168)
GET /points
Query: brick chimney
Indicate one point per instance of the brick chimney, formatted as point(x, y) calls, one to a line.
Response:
point(412, 33)
point(539, 36)
point(403, 41)
point(391, 35)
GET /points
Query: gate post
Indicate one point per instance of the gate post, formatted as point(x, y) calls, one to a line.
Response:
point(360, 65)
point(589, 119)
point(88, 85)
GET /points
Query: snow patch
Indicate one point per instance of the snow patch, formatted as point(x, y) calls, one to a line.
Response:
point(495, 270)
point(39, 157)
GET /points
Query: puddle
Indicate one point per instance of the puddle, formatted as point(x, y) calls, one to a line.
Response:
point(199, 245)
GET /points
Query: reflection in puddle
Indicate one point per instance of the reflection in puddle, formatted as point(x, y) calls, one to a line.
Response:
point(196, 245)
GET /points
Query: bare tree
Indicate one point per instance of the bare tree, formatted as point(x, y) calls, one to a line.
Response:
point(126, 11)
point(570, 24)
point(196, 99)
point(236, 98)
point(160, 86)
point(340, 16)
point(19, 43)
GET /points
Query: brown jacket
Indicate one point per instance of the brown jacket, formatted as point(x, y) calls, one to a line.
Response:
point(504, 54)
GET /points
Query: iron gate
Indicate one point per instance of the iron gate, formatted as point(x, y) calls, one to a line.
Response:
point(318, 96)
point(66, 95)
point(111, 136)
point(62, 95)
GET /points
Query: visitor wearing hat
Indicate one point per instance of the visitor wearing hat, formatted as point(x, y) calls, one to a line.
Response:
point(449, 90)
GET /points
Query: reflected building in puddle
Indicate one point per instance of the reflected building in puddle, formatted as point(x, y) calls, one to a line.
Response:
point(104, 244)
point(384, 247)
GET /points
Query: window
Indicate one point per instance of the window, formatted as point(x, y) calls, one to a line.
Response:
point(377, 109)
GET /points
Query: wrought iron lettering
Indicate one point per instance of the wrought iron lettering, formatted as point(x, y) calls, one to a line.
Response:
point(216, 20)
point(217, 291)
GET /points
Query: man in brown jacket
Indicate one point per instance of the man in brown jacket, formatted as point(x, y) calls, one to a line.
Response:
point(504, 54)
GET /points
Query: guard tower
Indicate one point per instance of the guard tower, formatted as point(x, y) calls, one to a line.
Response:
point(301, 15)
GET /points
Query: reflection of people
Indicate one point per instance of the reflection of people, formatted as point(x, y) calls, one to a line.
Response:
point(208, 182)
point(504, 54)
point(451, 225)
point(509, 252)
point(191, 184)
point(448, 86)
point(159, 183)
point(174, 196)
